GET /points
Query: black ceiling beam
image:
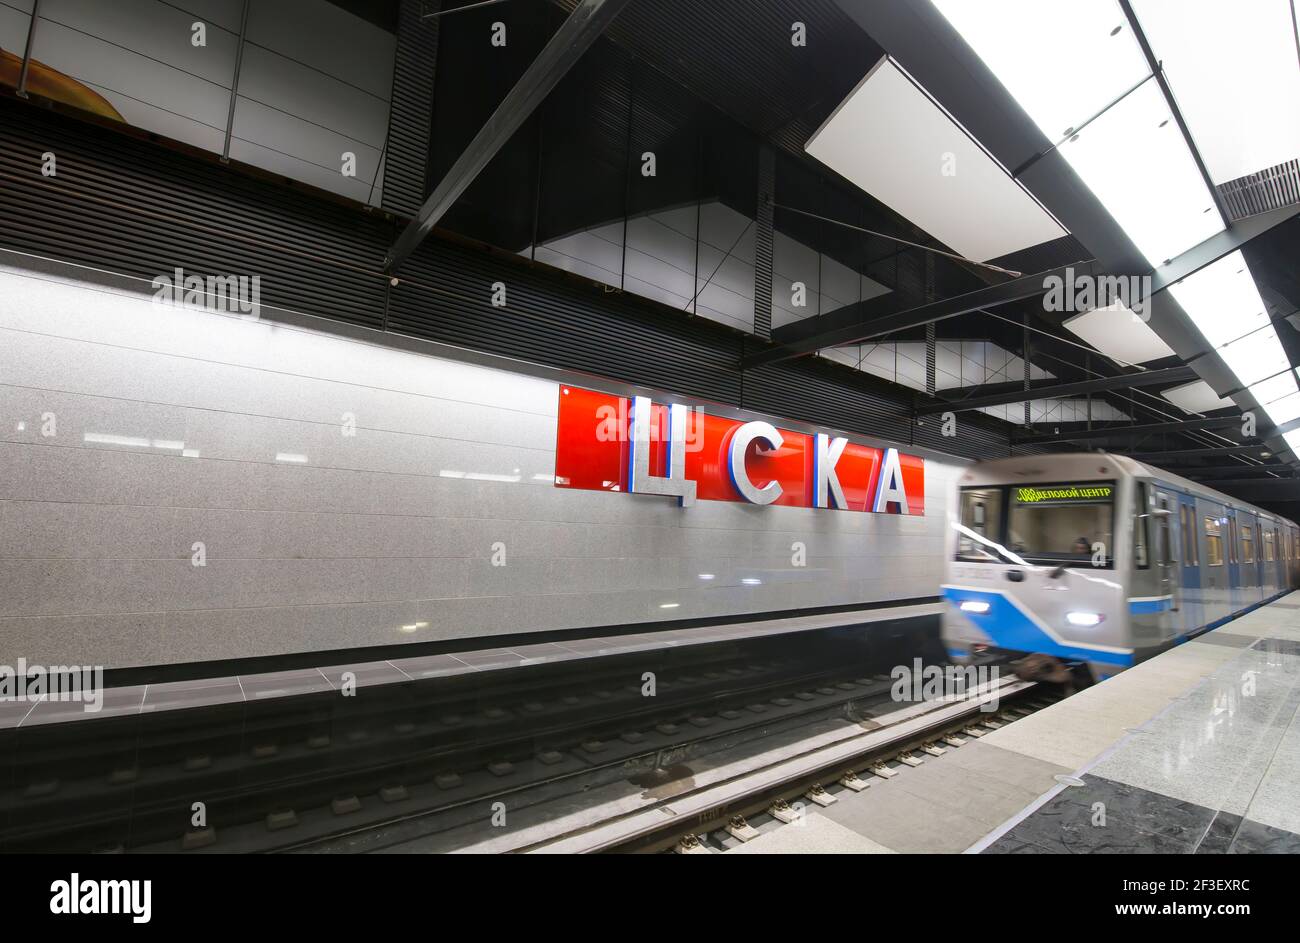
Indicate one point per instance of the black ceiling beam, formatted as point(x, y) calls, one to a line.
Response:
point(1053, 388)
point(1209, 451)
point(583, 26)
point(1118, 430)
point(1261, 489)
point(886, 314)
point(1239, 468)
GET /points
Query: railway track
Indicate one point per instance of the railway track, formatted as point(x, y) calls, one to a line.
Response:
point(777, 782)
point(321, 772)
point(651, 801)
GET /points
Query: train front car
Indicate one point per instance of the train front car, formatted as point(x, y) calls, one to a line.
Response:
point(1039, 566)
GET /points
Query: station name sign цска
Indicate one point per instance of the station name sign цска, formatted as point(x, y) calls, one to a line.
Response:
point(606, 442)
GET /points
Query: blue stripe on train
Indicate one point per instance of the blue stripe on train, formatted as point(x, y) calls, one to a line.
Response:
point(1007, 626)
point(1145, 606)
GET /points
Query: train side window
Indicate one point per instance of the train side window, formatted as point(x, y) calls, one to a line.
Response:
point(1247, 545)
point(1141, 516)
point(1213, 542)
point(981, 516)
point(1164, 540)
point(1188, 521)
point(1268, 546)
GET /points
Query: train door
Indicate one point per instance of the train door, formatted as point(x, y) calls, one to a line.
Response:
point(1233, 552)
point(1216, 580)
point(1166, 565)
point(1247, 565)
point(1189, 526)
point(1275, 551)
point(1260, 582)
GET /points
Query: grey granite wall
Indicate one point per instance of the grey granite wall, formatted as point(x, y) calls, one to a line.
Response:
point(130, 432)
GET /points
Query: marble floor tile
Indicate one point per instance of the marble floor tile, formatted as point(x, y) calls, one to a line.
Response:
point(1046, 741)
point(1008, 766)
point(1222, 638)
point(906, 823)
point(1064, 827)
point(967, 792)
point(1255, 838)
point(1142, 809)
point(818, 835)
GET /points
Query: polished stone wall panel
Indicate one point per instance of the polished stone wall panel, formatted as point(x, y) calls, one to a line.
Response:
point(176, 427)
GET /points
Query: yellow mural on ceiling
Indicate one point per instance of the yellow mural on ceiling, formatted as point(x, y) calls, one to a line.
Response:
point(53, 84)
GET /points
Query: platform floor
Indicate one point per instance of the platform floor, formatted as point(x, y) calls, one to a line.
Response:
point(1194, 751)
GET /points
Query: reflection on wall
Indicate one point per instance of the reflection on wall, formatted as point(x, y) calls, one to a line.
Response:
point(314, 82)
point(662, 263)
point(176, 427)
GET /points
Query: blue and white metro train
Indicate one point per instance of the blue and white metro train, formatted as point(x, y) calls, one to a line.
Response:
point(1098, 561)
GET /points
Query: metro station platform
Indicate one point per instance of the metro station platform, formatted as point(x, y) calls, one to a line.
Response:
point(1196, 751)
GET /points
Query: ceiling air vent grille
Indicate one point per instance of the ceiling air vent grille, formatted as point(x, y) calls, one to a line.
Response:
point(1269, 189)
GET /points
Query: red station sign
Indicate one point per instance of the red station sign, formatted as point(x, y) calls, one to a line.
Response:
point(596, 442)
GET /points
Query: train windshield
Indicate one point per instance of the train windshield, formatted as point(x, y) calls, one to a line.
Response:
point(1063, 523)
point(1066, 523)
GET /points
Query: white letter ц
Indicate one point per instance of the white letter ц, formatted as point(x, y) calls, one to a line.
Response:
point(640, 481)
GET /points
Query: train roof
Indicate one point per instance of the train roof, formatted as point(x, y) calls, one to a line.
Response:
point(1054, 464)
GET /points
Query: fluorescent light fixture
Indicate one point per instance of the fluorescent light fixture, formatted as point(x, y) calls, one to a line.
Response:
point(1222, 299)
point(1293, 441)
point(706, 576)
point(975, 606)
point(1133, 156)
point(669, 605)
point(1256, 356)
point(290, 457)
point(1137, 163)
point(1063, 62)
point(1284, 410)
point(890, 139)
point(750, 581)
point(1274, 388)
point(1084, 620)
point(1218, 62)
point(1224, 303)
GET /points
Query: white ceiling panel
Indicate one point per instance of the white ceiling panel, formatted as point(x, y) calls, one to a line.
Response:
point(1119, 334)
point(890, 139)
point(1196, 397)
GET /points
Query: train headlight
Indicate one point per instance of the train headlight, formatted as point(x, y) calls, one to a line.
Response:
point(974, 605)
point(1084, 620)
